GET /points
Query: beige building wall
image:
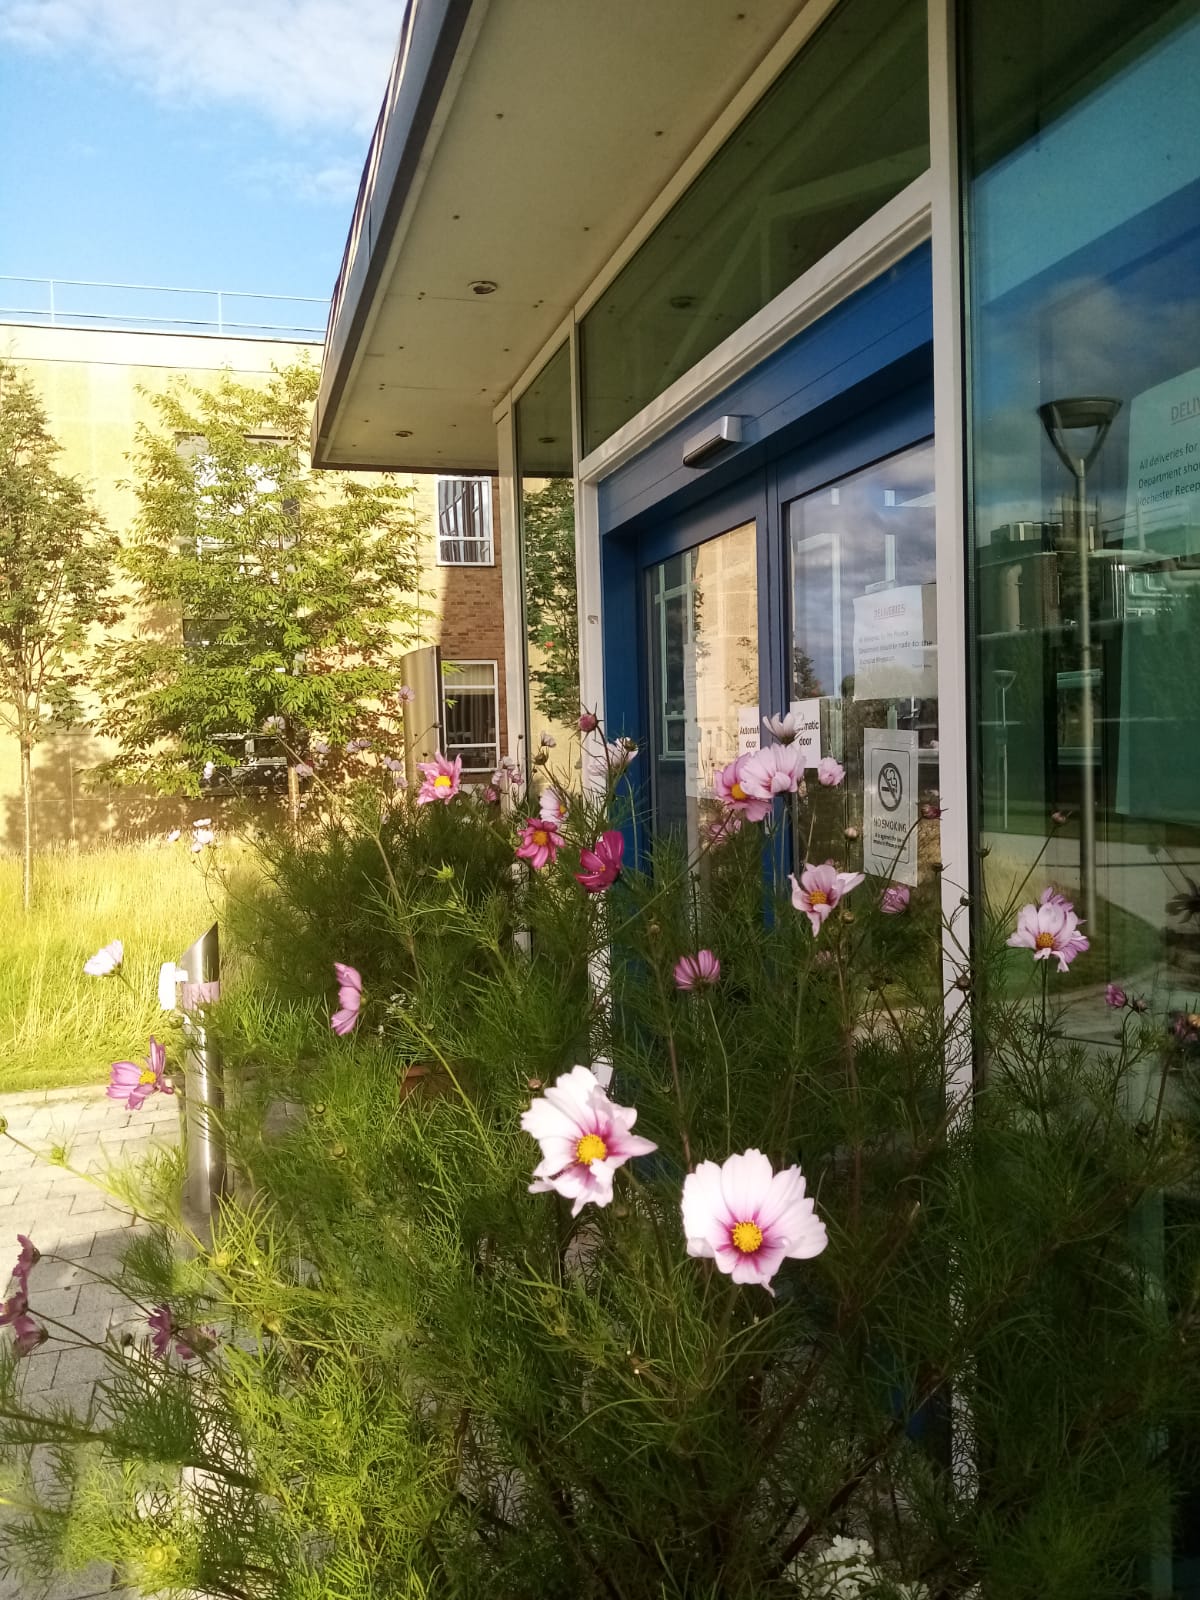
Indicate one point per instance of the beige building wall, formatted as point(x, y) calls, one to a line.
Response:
point(96, 385)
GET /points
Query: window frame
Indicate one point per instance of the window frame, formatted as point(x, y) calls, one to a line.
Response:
point(487, 541)
point(450, 751)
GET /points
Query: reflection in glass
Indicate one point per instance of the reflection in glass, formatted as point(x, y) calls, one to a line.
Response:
point(864, 661)
point(842, 131)
point(1085, 416)
point(703, 617)
point(547, 513)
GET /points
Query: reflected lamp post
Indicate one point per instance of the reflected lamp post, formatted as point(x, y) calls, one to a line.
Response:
point(1092, 414)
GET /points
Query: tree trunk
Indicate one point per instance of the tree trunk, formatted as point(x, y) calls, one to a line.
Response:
point(27, 806)
point(293, 796)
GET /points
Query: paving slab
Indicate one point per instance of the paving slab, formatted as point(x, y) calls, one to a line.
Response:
point(68, 1216)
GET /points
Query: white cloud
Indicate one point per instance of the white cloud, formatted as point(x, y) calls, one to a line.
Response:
point(321, 182)
point(305, 64)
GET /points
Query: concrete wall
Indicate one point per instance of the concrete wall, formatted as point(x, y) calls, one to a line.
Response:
point(90, 381)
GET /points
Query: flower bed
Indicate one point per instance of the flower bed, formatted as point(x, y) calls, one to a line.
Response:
point(634, 1241)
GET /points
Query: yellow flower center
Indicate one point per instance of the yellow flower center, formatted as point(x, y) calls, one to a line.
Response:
point(1044, 941)
point(441, 781)
point(737, 792)
point(818, 897)
point(747, 1237)
point(148, 1076)
point(540, 836)
point(590, 1148)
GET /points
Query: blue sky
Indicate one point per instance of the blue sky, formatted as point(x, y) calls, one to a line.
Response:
point(210, 145)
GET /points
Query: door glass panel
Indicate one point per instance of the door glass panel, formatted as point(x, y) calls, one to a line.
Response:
point(864, 662)
point(702, 608)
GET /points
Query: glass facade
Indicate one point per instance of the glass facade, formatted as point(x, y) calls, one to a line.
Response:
point(546, 491)
point(1083, 240)
point(843, 130)
point(1084, 248)
point(702, 609)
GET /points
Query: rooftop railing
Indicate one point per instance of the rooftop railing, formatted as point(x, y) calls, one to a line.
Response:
point(155, 308)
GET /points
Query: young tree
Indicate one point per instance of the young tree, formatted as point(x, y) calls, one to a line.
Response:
point(55, 574)
point(551, 599)
point(276, 594)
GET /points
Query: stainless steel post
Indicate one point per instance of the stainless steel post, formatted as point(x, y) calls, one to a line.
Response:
point(203, 1098)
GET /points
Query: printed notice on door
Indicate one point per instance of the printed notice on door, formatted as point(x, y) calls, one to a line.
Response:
point(895, 643)
point(890, 803)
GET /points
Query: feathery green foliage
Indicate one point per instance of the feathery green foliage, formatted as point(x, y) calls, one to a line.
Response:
point(430, 1382)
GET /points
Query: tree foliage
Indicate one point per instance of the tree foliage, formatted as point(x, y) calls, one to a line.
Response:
point(271, 590)
point(56, 562)
point(551, 599)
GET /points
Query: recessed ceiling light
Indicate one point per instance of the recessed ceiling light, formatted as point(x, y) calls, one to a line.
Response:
point(483, 286)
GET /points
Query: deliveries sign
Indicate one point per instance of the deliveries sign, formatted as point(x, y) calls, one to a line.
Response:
point(895, 643)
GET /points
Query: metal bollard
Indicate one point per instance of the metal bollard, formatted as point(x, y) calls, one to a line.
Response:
point(203, 1099)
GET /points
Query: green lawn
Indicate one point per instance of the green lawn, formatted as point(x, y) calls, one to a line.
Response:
point(58, 1026)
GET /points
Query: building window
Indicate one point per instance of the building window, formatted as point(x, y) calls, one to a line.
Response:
point(842, 131)
point(464, 522)
point(471, 714)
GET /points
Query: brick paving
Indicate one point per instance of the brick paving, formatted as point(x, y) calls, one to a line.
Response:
point(73, 1220)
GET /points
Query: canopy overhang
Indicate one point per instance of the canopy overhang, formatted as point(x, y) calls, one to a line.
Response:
point(518, 145)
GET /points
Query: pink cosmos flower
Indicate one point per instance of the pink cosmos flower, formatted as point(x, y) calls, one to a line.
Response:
point(721, 829)
point(405, 695)
point(14, 1314)
point(819, 890)
point(26, 1261)
point(551, 806)
point(933, 809)
point(584, 1136)
point(729, 788)
point(748, 1218)
point(135, 1083)
point(442, 779)
point(1050, 928)
point(105, 961)
point(349, 998)
point(830, 772)
point(785, 728)
point(164, 1333)
point(588, 722)
point(491, 795)
point(762, 774)
point(173, 836)
point(602, 864)
point(895, 899)
point(1052, 897)
point(540, 842)
point(700, 971)
point(1115, 996)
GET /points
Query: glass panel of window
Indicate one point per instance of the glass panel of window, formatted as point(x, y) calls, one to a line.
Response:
point(1083, 235)
point(864, 664)
point(1085, 430)
point(842, 131)
point(464, 522)
point(703, 650)
point(471, 714)
point(545, 471)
